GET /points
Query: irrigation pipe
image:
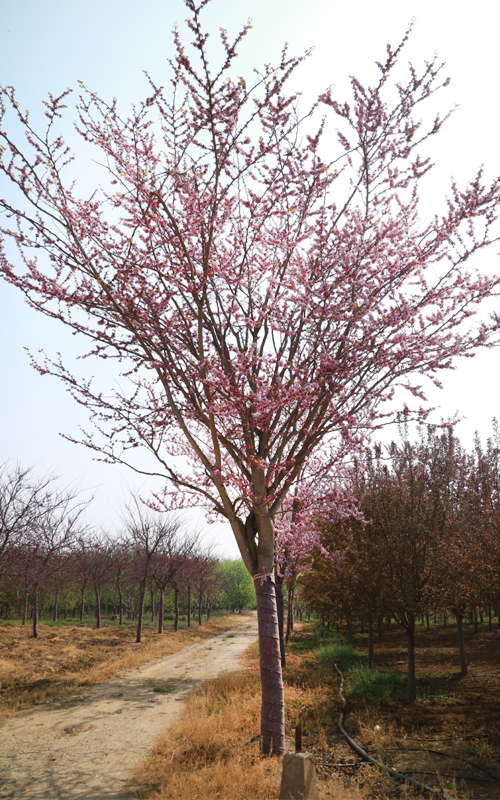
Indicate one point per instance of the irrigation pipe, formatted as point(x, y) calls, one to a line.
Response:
point(366, 757)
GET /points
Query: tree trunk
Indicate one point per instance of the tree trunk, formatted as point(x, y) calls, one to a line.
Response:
point(35, 611)
point(25, 607)
point(370, 644)
point(427, 621)
point(189, 606)
point(280, 610)
point(272, 719)
point(199, 608)
point(152, 596)
point(120, 601)
point(475, 621)
point(289, 615)
point(176, 609)
point(379, 623)
point(410, 635)
point(489, 618)
point(140, 614)
point(445, 617)
point(349, 631)
point(82, 604)
point(56, 598)
point(161, 610)
point(461, 643)
point(97, 608)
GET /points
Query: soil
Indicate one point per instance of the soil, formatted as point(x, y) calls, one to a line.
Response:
point(449, 737)
point(88, 746)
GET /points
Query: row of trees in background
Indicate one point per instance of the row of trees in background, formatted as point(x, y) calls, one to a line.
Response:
point(424, 537)
point(48, 552)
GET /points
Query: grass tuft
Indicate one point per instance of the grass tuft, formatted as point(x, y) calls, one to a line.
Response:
point(366, 682)
point(345, 655)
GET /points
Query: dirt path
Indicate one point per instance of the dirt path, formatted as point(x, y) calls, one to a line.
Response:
point(88, 747)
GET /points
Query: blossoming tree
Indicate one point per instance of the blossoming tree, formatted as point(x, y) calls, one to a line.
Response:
point(262, 298)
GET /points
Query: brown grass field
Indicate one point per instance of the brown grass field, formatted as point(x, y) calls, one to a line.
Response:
point(449, 738)
point(68, 657)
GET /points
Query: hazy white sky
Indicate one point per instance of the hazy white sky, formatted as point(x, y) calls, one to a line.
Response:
point(47, 45)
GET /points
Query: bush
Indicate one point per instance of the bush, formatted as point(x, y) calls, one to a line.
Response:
point(365, 681)
point(345, 655)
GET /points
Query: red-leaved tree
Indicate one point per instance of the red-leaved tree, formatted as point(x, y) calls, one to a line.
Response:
point(263, 297)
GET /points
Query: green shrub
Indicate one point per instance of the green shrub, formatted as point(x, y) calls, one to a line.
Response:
point(365, 681)
point(341, 653)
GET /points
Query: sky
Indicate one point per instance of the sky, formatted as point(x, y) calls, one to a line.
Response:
point(48, 45)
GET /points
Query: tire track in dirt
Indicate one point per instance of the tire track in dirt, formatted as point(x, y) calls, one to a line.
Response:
point(87, 748)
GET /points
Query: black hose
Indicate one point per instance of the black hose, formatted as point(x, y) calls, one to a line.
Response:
point(366, 757)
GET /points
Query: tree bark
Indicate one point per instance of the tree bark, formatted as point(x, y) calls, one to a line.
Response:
point(272, 719)
point(82, 605)
point(176, 608)
point(410, 635)
point(25, 608)
point(189, 606)
point(140, 614)
point(280, 610)
point(35, 611)
point(56, 598)
point(489, 618)
point(379, 623)
point(152, 596)
point(120, 601)
point(161, 610)
point(98, 608)
point(461, 643)
point(199, 609)
point(289, 615)
point(349, 631)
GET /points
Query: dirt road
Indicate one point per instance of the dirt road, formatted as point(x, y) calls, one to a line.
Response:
point(87, 748)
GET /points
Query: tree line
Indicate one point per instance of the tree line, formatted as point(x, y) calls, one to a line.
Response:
point(423, 538)
point(50, 555)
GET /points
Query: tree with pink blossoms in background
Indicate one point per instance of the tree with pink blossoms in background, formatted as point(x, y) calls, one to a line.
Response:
point(262, 284)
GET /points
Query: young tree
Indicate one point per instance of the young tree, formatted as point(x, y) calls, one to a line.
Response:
point(23, 499)
point(262, 322)
point(408, 502)
point(121, 565)
point(146, 532)
point(99, 549)
point(50, 545)
point(171, 561)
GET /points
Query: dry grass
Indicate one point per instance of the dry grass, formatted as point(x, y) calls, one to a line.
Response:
point(213, 752)
point(210, 754)
point(66, 658)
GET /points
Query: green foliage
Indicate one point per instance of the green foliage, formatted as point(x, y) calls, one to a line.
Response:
point(320, 636)
point(341, 653)
point(363, 681)
point(239, 591)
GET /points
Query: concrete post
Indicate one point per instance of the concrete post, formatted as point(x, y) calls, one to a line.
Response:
point(298, 781)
